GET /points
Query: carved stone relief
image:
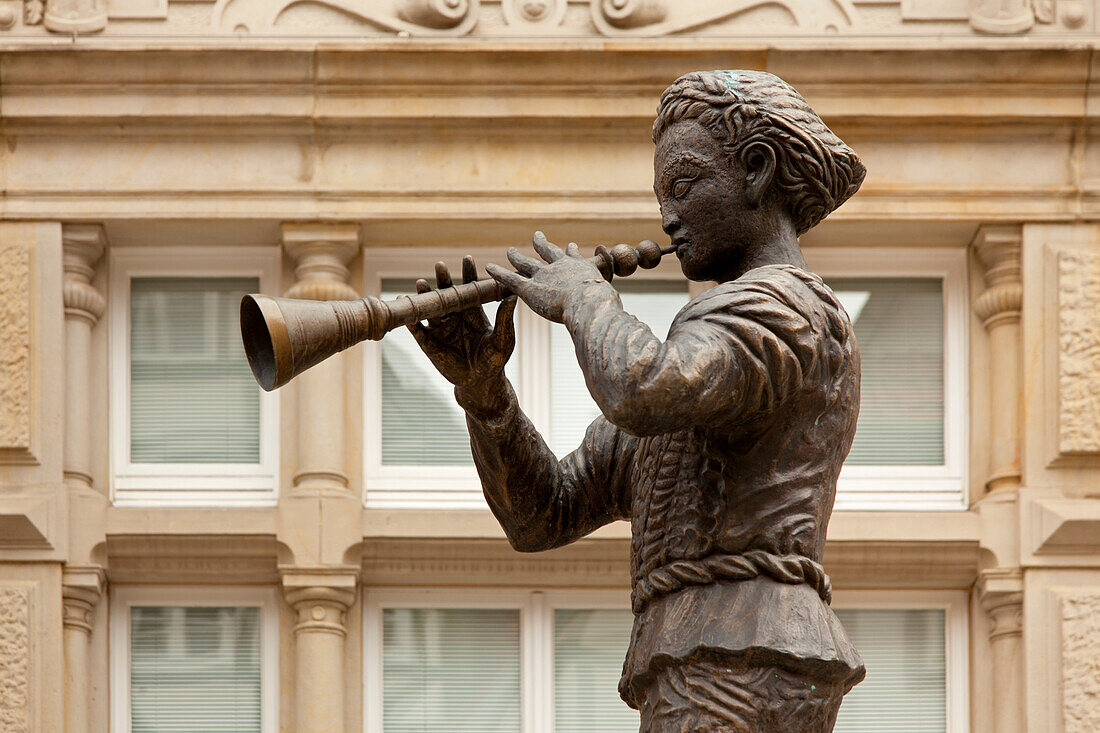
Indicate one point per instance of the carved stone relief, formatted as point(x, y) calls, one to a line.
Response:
point(1078, 353)
point(15, 335)
point(1081, 661)
point(15, 659)
point(572, 18)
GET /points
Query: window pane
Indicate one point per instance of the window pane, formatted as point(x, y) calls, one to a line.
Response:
point(192, 397)
point(589, 648)
point(654, 302)
point(450, 669)
point(195, 669)
point(899, 326)
point(906, 686)
point(421, 422)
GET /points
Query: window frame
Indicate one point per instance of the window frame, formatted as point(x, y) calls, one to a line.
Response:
point(897, 486)
point(537, 605)
point(454, 486)
point(185, 484)
point(123, 597)
point(956, 637)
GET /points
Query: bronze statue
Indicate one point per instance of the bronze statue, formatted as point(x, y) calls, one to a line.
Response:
point(722, 444)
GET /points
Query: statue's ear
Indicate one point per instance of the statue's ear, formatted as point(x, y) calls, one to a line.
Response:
point(758, 159)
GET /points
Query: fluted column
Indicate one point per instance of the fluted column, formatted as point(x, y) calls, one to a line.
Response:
point(321, 253)
point(83, 246)
point(1001, 594)
point(998, 248)
point(320, 597)
point(82, 586)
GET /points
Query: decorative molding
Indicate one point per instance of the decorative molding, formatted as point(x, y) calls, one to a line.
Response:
point(1001, 593)
point(999, 248)
point(16, 410)
point(1081, 660)
point(82, 246)
point(81, 588)
point(321, 253)
point(1078, 353)
point(25, 523)
point(321, 596)
point(15, 658)
point(75, 16)
point(222, 559)
point(1056, 527)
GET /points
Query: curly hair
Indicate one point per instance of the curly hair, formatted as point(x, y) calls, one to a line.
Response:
point(815, 171)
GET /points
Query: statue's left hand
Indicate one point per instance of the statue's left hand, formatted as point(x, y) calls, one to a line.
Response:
point(544, 287)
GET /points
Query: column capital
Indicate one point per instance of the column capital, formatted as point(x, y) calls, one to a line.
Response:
point(998, 247)
point(1001, 594)
point(321, 595)
point(82, 247)
point(321, 253)
point(81, 588)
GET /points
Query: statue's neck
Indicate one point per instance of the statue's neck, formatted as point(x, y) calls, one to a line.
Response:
point(779, 246)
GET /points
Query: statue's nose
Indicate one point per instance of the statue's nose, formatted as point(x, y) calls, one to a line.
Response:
point(670, 223)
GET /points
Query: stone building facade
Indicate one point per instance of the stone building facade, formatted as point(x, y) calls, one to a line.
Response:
point(329, 148)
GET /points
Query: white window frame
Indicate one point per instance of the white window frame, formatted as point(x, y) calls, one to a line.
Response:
point(185, 484)
point(124, 597)
point(956, 639)
point(452, 486)
point(897, 486)
point(536, 607)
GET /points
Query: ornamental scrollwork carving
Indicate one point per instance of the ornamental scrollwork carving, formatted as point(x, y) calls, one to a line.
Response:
point(414, 17)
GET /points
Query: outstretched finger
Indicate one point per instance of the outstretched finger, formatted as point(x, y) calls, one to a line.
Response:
point(526, 265)
point(547, 250)
point(422, 286)
point(504, 330)
point(511, 280)
point(573, 250)
point(442, 276)
point(469, 269)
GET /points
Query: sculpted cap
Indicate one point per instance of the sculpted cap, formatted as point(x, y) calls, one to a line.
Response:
point(815, 171)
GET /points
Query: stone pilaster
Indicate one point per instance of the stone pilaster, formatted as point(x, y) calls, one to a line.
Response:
point(1000, 591)
point(81, 588)
point(82, 248)
point(321, 253)
point(320, 597)
point(998, 248)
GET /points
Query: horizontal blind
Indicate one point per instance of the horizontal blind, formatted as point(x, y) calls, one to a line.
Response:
point(192, 397)
point(899, 326)
point(655, 303)
point(195, 670)
point(451, 669)
point(589, 648)
point(421, 422)
point(906, 686)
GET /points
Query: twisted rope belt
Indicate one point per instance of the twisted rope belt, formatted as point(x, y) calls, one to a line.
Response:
point(793, 569)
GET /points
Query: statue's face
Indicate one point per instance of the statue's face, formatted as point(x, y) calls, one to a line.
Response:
point(701, 189)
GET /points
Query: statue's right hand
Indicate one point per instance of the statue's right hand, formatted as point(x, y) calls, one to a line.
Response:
point(463, 346)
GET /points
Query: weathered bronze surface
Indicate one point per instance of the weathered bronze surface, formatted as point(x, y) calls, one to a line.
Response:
point(285, 336)
point(721, 444)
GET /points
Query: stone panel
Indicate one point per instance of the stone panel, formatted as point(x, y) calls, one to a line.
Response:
point(15, 659)
point(15, 357)
point(1081, 660)
point(1079, 352)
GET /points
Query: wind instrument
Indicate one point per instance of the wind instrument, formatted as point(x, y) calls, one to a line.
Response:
point(285, 336)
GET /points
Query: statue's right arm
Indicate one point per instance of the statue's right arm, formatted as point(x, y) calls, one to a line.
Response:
point(542, 502)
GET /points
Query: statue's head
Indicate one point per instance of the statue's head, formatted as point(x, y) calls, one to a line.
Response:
point(740, 158)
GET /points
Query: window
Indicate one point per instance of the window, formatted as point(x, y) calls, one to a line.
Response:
point(909, 312)
point(914, 646)
point(193, 659)
point(483, 661)
point(189, 424)
point(550, 661)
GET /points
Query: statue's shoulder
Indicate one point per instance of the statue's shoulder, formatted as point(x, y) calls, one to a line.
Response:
point(772, 288)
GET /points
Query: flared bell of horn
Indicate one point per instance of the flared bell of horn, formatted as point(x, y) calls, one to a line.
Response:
point(285, 336)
